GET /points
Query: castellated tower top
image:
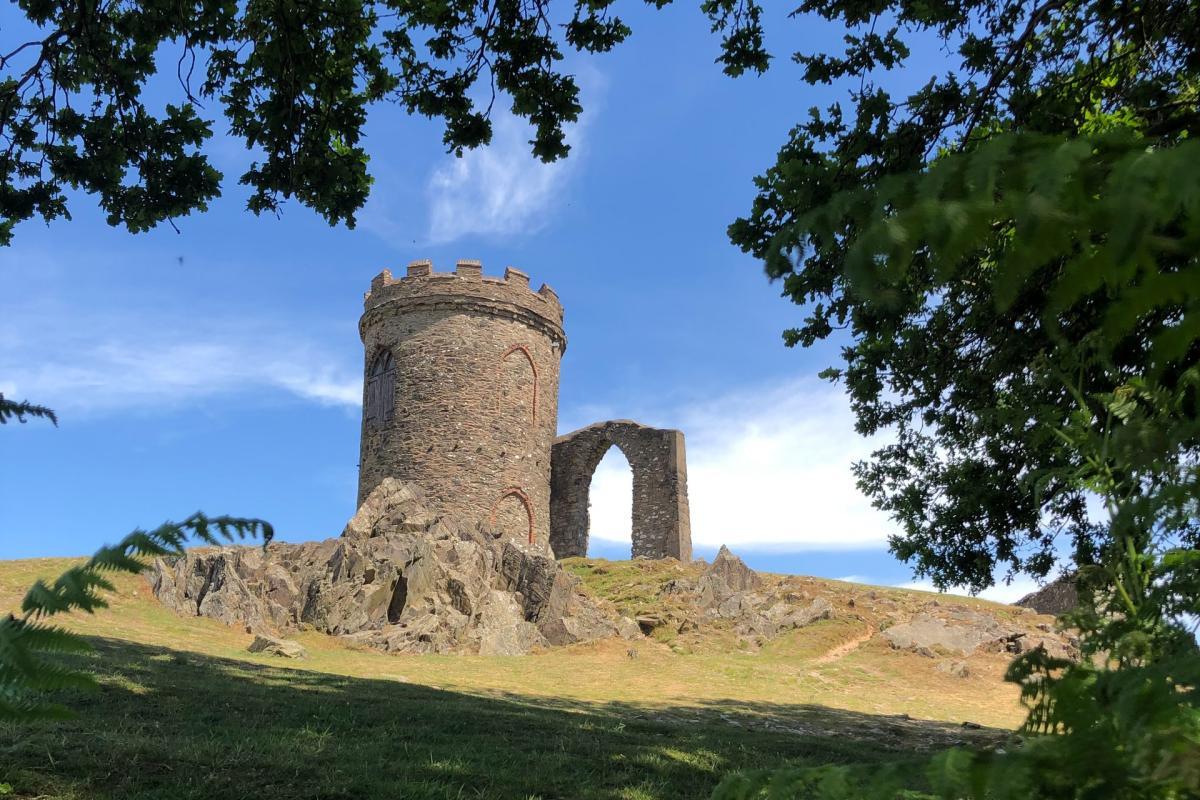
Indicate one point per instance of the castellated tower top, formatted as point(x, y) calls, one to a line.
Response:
point(468, 288)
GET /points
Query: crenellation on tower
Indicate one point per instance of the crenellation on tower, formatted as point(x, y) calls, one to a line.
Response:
point(381, 280)
point(466, 283)
point(469, 269)
point(516, 277)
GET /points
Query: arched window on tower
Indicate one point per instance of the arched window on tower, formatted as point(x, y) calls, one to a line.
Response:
point(381, 389)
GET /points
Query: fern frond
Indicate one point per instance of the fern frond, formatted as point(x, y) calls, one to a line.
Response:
point(10, 410)
point(140, 543)
point(227, 528)
point(19, 707)
point(23, 674)
point(77, 588)
point(52, 639)
point(52, 677)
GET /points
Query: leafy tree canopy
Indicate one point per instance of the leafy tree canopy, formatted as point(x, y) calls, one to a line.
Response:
point(294, 80)
point(1020, 231)
point(975, 265)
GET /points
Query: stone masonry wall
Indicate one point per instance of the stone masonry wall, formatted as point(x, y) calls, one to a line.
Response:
point(475, 394)
point(661, 520)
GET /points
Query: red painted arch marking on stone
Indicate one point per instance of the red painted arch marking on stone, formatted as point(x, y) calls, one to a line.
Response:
point(517, 492)
point(533, 366)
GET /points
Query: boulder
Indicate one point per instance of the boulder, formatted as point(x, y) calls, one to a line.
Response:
point(780, 617)
point(277, 647)
point(502, 631)
point(729, 574)
point(1055, 646)
point(818, 609)
point(963, 632)
point(1056, 598)
point(213, 586)
point(394, 506)
point(959, 669)
point(628, 628)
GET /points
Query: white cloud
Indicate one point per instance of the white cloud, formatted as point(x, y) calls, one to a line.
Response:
point(96, 364)
point(768, 468)
point(503, 189)
point(1000, 593)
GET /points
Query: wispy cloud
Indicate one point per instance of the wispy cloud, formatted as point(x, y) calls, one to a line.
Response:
point(502, 189)
point(768, 468)
point(1000, 593)
point(98, 364)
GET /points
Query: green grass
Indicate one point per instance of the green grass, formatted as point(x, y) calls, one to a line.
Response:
point(168, 724)
point(185, 712)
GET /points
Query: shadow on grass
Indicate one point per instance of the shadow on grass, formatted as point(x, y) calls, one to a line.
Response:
point(882, 734)
point(168, 724)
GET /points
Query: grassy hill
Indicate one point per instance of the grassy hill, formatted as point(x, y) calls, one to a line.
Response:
point(185, 712)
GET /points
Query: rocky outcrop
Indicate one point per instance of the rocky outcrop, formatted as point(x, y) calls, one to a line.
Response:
point(397, 579)
point(727, 575)
point(728, 589)
point(728, 595)
point(1056, 598)
point(963, 632)
point(403, 580)
point(394, 507)
point(962, 635)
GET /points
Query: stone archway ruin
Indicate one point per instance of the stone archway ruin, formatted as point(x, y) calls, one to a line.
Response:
point(661, 521)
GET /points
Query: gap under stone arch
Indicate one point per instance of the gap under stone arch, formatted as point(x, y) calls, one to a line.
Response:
point(610, 501)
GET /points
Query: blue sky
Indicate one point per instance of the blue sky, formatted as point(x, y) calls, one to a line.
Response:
point(218, 368)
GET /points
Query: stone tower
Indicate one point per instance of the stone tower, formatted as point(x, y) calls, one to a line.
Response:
point(461, 393)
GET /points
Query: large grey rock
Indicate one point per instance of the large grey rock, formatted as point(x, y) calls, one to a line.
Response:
point(397, 579)
point(277, 647)
point(963, 632)
point(1057, 597)
point(502, 631)
point(818, 609)
point(727, 576)
point(733, 572)
point(1056, 646)
point(392, 507)
point(752, 616)
point(212, 587)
